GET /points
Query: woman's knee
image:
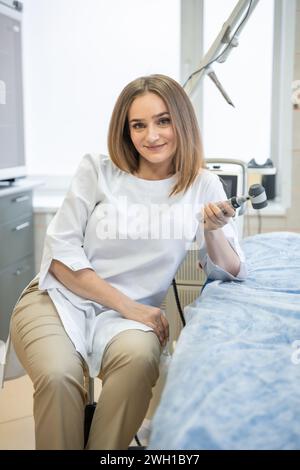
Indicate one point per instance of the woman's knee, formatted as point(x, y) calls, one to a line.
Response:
point(58, 378)
point(138, 351)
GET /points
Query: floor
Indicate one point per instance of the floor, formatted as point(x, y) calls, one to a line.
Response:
point(16, 420)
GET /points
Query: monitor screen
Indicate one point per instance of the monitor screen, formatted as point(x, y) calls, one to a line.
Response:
point(11, 97)
point(230, 184)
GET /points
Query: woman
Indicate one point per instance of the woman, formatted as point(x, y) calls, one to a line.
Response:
point(110, 254)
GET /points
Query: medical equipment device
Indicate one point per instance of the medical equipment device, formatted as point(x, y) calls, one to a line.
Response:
point(233, 175)
point(256, 195)
point(221, 48)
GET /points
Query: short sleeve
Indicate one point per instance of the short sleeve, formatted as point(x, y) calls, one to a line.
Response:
point(65, 234)
point(213, 191)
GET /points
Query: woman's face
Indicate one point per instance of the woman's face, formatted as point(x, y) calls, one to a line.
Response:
point(151, 130)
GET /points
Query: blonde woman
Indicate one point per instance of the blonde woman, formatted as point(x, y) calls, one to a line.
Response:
point(110, 254)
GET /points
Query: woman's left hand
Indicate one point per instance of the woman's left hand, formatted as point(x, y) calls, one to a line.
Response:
point(216, 215)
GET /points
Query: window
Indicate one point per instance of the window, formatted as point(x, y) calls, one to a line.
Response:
point(77, 58)
point(242, 132)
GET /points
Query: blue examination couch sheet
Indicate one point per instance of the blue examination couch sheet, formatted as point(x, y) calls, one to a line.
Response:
point(234, 379)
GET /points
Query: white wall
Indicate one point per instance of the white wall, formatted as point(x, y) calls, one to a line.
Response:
point(78, 55)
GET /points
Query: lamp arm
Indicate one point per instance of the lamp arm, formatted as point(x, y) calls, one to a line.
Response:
point(243, 7)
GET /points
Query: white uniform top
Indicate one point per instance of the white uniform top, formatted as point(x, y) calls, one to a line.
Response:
point(134, 236)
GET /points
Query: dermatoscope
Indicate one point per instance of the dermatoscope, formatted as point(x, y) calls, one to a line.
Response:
point(257, 196)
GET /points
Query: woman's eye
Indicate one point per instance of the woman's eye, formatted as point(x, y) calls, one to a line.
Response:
point(164, 121)
point(161, 122)
point(138, 125)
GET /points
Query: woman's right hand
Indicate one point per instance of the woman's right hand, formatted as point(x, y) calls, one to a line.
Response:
point(150, 316)
point(87, 284)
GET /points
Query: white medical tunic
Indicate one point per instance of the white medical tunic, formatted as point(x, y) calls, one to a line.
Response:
point(134, 236)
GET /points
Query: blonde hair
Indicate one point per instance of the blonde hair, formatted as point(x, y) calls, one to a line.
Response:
point(188, 157)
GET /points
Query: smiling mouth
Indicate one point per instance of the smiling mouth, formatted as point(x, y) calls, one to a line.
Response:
point(154, 147)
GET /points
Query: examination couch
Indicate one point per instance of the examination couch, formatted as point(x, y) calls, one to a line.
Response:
point(234, 378)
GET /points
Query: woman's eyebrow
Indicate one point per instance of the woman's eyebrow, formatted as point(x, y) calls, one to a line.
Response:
point(155, 116)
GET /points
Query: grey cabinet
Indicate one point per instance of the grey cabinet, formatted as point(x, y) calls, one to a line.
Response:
point(16, 252)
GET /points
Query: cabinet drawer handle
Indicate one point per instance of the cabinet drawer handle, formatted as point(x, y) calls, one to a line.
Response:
point(21, 199)
point(20, 227)
point(20, 271)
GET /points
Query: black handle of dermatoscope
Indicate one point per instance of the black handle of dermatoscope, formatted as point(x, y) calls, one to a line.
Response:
point(236, 202)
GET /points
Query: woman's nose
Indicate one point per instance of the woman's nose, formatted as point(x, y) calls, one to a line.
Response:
point(152, 134)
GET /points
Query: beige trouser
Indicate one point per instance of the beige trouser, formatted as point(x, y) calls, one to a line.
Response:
point(129, 371)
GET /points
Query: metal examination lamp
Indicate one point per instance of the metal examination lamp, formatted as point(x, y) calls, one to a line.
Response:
point(226, 40)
